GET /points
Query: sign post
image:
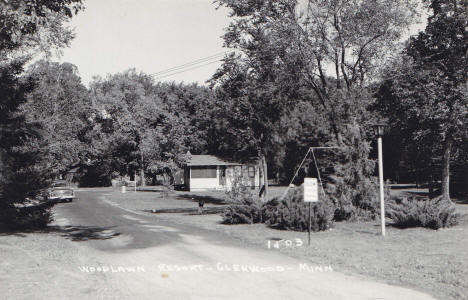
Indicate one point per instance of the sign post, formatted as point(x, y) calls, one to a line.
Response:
point(310, 195)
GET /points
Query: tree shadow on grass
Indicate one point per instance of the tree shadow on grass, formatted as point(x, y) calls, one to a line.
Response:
point(74, 233)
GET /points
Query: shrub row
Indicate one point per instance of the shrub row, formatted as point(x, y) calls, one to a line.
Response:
point(290, 213)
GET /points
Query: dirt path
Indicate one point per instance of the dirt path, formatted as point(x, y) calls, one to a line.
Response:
point(99, 251)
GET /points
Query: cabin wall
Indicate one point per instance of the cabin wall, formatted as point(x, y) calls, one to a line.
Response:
point(198, 183)
point(251, 177)
point(233, 171)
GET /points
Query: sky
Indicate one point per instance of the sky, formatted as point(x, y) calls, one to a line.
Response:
point(148, 35)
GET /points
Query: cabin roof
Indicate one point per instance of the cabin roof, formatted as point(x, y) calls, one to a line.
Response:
point(209, 160)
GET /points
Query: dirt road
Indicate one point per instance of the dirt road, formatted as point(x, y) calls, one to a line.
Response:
point(98, 250)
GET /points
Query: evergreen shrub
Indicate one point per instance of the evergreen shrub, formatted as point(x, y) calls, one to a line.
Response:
point(243, 208)
point(248, 212)
point(34, 216)
point(292, 213)
point(410, 212)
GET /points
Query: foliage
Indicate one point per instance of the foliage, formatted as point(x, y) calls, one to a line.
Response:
point(244, 208)
point(195, 107)
point(32, 216)
point(426, 89)
point(142, 131)
point(61, 104)
point(247, 212)
point(22, 169)
point(34, 27)
point(411, 212)
point(238, 191)
point(27, 27)
point(351, 187)
point(282, 51)
point(292, 213)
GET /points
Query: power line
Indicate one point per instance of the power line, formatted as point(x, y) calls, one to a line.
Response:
point(190, 64)
point(199, 63)
point(185, 70)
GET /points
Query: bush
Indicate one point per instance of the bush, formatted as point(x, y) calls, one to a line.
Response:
point(349, 182)
point(29, 216)
point(292, 213)
point(239, 191)
point(248, 212)
point(244, 209)
point(410, 212)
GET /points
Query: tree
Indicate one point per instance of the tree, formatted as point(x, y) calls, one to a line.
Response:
point(62, 105)
point(35, 26)
point(431, 83)
point(23, 172)
point(197, 107)
point(144, 132)
point(27, 26)
point(324, 52)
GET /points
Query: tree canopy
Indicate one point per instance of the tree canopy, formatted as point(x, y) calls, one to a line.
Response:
point(427, 87)
point(27, 27)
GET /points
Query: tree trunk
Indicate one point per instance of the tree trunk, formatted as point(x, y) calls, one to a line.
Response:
point(142, 171)
point(431, 186)
point(446, 167)
point(265, 176)
point(142, 177)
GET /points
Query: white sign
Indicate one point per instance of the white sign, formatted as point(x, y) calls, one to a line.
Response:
point(310, 189)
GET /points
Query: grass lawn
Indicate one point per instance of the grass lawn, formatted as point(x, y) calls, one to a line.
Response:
point(432, 261)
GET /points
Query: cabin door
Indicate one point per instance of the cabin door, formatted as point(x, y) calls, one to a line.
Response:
point(251, 176)
point(222, 175)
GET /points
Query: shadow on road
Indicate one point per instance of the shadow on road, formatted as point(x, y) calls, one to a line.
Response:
point(84, 233)
point(74, 233)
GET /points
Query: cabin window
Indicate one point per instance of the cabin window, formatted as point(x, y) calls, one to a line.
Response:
point(204, 172)
point(251, 172)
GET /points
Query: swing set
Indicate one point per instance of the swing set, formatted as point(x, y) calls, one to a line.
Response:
point(310, 150)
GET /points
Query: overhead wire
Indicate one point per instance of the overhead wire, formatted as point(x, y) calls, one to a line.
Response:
point(189, 65)
point(185, 70)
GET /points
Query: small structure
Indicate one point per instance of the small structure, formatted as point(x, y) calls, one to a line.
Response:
point(208, 172)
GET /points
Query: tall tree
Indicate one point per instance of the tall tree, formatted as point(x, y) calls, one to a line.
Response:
point(62, 105)
point(22, 166)
point(27, 26)
point(144, 132)
point(321, 51)
point(431, 82)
